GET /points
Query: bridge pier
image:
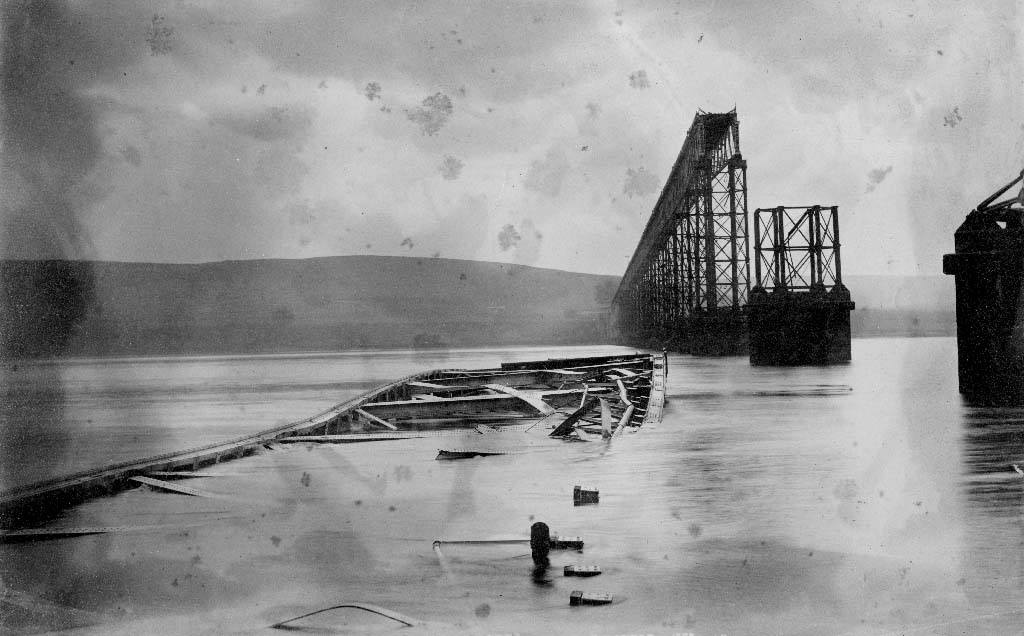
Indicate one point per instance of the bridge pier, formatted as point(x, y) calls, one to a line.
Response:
point(987, 265)
point(719, 334)
point(797, 328)
point(805, 318)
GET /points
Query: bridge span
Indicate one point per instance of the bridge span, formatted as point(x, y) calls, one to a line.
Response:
point(687, 283)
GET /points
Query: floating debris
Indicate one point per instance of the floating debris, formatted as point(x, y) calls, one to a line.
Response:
point(565, 543)
point(166, 485)
point(366, 607)
point(580, 598)
point(464, 454)
point(583, 496)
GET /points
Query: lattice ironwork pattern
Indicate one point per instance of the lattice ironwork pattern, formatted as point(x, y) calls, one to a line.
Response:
point(796, 248)
point(692, 256)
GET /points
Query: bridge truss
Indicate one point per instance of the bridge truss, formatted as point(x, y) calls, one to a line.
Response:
point(688, 280)
point(797, 248)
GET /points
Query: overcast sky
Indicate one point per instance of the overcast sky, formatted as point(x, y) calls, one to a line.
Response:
point(535, 133)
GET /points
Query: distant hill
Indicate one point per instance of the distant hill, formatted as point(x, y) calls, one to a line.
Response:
point(345, 302)
point(349, 302)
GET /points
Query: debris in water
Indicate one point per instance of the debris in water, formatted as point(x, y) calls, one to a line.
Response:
point(579, 598)
point(583, 496)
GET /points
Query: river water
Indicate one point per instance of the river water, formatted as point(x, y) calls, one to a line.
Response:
point(855, 499)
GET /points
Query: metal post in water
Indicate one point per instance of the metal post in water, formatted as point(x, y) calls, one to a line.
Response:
point(540, 542)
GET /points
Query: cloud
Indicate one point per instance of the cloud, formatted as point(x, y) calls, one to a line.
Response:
point(414, 40)
point(461, 232)
point(300, 214)
point(157, 154)
point(278, 171)
point(132, 155)
point(272, 123)
point(329, 226)
point(51, 138)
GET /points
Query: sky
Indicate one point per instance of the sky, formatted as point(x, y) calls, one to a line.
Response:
point(538, 133)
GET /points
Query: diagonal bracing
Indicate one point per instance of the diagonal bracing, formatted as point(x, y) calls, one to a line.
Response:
point(691, 261)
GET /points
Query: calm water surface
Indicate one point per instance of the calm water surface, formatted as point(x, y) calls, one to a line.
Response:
point(855, 499)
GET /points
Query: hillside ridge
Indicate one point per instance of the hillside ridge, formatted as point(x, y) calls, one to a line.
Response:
point(101, 308)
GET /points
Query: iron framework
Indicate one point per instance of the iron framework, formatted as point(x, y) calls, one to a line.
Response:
point(691, 264)
point(797, 248)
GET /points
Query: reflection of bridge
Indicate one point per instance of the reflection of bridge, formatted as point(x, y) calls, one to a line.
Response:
point(688, 280)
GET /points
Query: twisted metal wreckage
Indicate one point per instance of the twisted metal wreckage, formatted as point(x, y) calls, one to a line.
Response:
point(516, 408)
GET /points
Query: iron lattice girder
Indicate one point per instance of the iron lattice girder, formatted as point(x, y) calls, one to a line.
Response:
point(798, 247)
point(692, 256)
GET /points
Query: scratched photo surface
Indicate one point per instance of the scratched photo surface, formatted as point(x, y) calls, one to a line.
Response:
point(219, 219)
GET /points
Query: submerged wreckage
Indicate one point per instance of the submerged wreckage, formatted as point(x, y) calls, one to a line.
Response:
point(532, 411)
point(569, 399)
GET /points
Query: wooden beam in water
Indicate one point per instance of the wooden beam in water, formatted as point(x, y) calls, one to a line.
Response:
point(566, 373)
point(44, 534)
point(459, 406)
point(624, 420)
point(181, 474)
point(537, 403)
point(395, 616)
point(427, 385)
point(567, 425)
point(514, 378)
point(351, 438)
point(575, 364)
point(622, 393)
point(482, 542)
point(465, 454)
point(373, 419)
point(428, 388)
point(625, 373)
point(166, 485)
point(40, 534)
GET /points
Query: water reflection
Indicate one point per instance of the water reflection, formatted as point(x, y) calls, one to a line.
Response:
point(993, 443)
